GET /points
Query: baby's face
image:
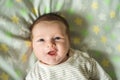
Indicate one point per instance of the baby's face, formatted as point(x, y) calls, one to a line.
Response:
point(50, 42)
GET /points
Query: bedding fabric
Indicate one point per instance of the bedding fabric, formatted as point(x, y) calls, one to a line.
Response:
point(94, 26)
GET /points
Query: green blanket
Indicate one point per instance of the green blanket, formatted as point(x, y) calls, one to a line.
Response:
point(94, 25)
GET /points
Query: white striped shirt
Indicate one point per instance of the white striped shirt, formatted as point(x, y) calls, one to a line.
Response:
point(79, 66)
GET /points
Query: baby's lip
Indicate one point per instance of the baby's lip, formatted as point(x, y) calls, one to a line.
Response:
point(52, 53)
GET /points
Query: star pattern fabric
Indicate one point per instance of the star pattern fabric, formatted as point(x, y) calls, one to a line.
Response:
point(94, 26)
point(15, 19)
point(96, 29)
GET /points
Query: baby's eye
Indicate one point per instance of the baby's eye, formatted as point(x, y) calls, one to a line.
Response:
point(57, 38)
point(41, 40)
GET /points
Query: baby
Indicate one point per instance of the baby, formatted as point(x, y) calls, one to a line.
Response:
point(56, 59)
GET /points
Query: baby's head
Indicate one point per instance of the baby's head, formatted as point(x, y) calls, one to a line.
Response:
point(50, 39)
point(51, 17)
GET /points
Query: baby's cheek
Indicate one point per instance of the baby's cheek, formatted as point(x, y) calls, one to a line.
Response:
point(36, 48)
point(63, 47)
point(37, 52)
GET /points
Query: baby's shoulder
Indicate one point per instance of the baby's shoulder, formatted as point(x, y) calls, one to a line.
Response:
point(33, 72)
point(81, 57)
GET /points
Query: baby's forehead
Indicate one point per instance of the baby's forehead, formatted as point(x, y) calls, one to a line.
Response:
point(49, 28)
point(46, 24)
point(54, 24)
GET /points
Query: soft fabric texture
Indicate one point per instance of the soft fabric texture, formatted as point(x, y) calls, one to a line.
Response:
point(94, 27)
point(79, 66)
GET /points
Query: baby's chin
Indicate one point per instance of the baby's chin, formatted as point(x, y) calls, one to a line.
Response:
point(54, 62)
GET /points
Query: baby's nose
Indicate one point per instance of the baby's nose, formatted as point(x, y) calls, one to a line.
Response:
point(50, 44)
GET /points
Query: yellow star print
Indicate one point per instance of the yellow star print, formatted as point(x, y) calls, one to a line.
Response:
point(96, 29)
point(103, 39)
point(94, 5)
point(76, 40)
point(15, 19)
point(4, 76)
point(3, 48)
point(118, 47)
point(24, 58)
point(34, 11)
point(78, 21)
point(112, 14)
point(19, 0)
point(105, 63)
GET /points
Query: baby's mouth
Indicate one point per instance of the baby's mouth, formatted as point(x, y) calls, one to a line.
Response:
point(52, 53)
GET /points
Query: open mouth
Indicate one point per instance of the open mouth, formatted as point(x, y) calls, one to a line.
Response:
point(52, 53)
